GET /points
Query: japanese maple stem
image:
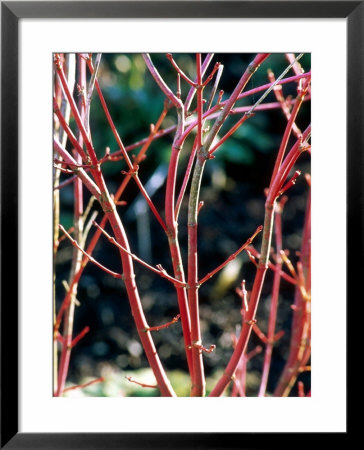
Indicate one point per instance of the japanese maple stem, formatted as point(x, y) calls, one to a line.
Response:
point(69, 316)
point(195, 145)
point(274, 304)
point(62, 136)
point(88, 182)
point(249, 315)
point(82, 386)
point(172, 233)
point(161, 83)
point(286, 166)
point(185, 180)
point(192, 90)
point(90, 91)
point(301, 317)
point(130, 165)
point(103, 222)
point(110, 212)
point(134, 299)
point(142, 152)
point(198, 378)
point(171, 223)
point(299, 99)
point(109, 209)
point(76, 258)
point(91, 151)
point(278, 92)
point(211, 113)
point(68, 131)
point(198, 381)
point(76, 114)
point(253, 66)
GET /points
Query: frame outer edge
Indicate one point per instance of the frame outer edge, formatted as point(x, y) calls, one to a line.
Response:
point(10, 13)
point(355, 178)
point(183, 9)
point(9, 225)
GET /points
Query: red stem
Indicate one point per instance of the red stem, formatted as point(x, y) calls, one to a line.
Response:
point(272, 266)
point(198, 386)
point(209, 78)
point(83, 333)
point(253, 66)
point(288, 129)
point(229, 133)
point(192, 91)
point(185, 180)
point(159, 270)
point(195, 145)
point(274, 303)
point(198, 376)
point(159, 80)
point(299, 345)
point(199, 88)
point(261, 269)
point(76, 260)
point(109, 209)
point(102, 224)
point(90, 184)
point(68, 130)
point(278, 92)
point(100, 266)
point(231, 257)
point(82, 386)
point(179, 71)
point(211, 113)
point(132, 167)
point(172, 234)
point(75, 112)
point(249, 316)
point(165, 325)
point(283, 172)
point(133, 295)
point(143, 385)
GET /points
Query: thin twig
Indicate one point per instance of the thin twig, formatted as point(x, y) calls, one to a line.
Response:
point(92, 259)
point(231, 257)
point(158, 269)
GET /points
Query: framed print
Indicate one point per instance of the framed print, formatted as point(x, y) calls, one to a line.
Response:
point(156, 221)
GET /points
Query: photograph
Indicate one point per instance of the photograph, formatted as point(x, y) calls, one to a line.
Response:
point(182, 225)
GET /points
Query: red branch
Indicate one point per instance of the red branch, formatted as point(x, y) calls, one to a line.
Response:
point(166, 325)
point(231, 257)
point(82, 386)
point(151, 386)
point(93, 260)
point(80, 336)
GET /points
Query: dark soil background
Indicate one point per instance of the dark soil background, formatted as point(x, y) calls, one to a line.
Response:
point(233, 195)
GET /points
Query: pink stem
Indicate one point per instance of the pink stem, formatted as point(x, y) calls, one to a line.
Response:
point(274, 303)
point(172, 234)
point(261, 269)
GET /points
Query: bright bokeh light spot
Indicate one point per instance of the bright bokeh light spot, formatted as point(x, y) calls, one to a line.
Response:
point(122, 63)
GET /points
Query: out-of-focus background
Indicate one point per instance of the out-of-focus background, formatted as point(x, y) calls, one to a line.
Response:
point(233, 195)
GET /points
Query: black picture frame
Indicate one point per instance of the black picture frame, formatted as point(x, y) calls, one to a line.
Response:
point(11, 13)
